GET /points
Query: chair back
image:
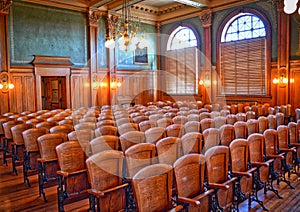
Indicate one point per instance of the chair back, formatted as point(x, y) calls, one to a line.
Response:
point(252, 126)
point(7, 128)
point(71, 157)
point(219, 121)
point(147, 124)
point(164, 122)
point(192, 126)
point(47, 144)
point(211, 138)
point(175, 130)
point(105, 142)
point(30, 137)
point(138, 157)
point(169, 149)
point(152, 188)
point(154, 134)
point(272, 121)
point(106, 130)
point(131, 138)
point(45, 124)
point(226, 134)
point(239, 155)
point(127, 127)
point(17, 132)
point(207, 123)
point(256, 147)
point(262, 124)
point(283, 136)
point(231, 119)
point(192, 143)
point(240, 129)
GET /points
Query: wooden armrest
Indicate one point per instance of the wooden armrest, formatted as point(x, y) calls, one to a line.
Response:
point(45, 161)
point(115, 188)
point(66, 174)
point(259, 164)
point(102, 193)
point(191, 201)
point(246, 174)
point(177, 208)
point(252, 169)
point(287, 150)
point(62, 173)
point(219, 186)
point(281, 157)
point(295, 144)
point(195, 201)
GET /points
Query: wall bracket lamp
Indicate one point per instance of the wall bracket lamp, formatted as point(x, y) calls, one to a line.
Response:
point(5, 84)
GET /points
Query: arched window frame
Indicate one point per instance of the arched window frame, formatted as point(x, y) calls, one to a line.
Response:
point(171, 32)
point(268, 49)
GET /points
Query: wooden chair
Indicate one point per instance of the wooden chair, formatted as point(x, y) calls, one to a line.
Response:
point(250, 115)
point(204, 115)
point(105, 171)
point(8, 139)
point(18, 145)
point(180, 119)
point(48, 164)
point(284, 147)
point(63, 129)
point(227, 134)
point(272, 121)
point(207, 123)
point(217, 159)
point(239, 164)
point(264, 168)
point(3, 119)
point(106, 130)
point(279, 118)
point(72, 176)
point(241, 117)
point(231, 119)
point(155, 117)
point(127, 127)
point(124, 120)
point(262, 124)
point(192, 143)
point(45, 124)
point(169, 149)
point(131, 138)
point(211, 138)
point(294, 141)
point(219, 121)
point(104, 142)
point(152, 188)
point(175, 130)
point(214, 114)
point(154, 134)
point(85, 125)
point(84, 137)
point(189, 174)
point(194, 117)
point(164, 122)
point(233, 109)
point(31, 152)
point(139, 119)
point(240, 129)
point(192, 126)
point(252, 126)
point(147, 124)
point(272, 152)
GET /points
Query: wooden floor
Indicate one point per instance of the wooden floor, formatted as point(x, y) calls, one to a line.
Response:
point(16, 196)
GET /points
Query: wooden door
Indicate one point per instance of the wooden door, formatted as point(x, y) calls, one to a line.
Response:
point(53, 92)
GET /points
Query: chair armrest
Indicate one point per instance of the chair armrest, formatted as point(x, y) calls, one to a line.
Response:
point(281, 157)
point(62, 173)
point(287, 150)
point(177, 208)
point(257, 164)
point(95, 192)
point(45, 161)
point(295, 144)
point(115, 188)
point(195, 201)
point(245, 174)
point(219, 186)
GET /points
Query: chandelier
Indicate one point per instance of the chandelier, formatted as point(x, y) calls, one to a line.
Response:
point(290, 6)
point(126, 29)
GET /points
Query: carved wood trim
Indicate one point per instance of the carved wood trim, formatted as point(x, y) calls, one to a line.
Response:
point(4, 6)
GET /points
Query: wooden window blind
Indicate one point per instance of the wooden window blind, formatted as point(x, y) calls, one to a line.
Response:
point(181, 71)
point(243, 67)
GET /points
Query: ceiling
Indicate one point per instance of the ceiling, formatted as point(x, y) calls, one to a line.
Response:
point(148, 10)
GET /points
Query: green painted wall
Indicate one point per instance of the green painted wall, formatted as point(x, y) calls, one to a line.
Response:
point(39, 30)
point(125, 59)
point(102, 58)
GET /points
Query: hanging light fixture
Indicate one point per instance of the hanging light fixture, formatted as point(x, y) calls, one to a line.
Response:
point(290, 6)
point(5, 84)
point(126, 29)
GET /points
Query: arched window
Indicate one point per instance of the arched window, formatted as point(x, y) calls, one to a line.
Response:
point(243, 56)
point(182, 62)
point(182, 37)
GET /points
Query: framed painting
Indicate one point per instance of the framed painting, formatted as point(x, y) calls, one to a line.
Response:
point(140, 56)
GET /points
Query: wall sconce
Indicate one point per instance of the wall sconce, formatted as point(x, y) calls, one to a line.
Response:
point(282, 80)
point(115, 83)
point(205, 82)
point(5, 84)
point(98, 84)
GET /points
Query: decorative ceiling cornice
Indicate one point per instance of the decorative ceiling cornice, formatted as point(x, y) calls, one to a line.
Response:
point(4, 5)
point(94, 17)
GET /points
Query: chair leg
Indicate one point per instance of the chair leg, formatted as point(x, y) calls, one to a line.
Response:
point(256, 186)
point(92, 202)
point(41, 180)
point(14, 156)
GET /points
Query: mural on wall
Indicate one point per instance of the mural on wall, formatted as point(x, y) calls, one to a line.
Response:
point(39, 30)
